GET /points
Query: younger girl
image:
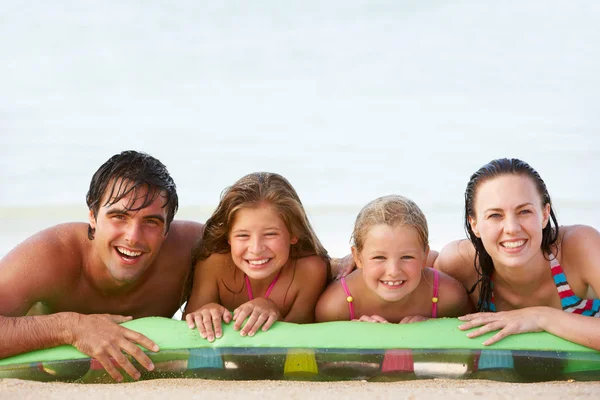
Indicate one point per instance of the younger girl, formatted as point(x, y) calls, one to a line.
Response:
point(522, 270)
point(391, 283)
point(259, 257)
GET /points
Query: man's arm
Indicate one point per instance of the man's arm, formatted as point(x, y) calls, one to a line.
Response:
point(46, 266)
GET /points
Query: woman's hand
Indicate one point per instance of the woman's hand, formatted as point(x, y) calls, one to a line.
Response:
point(208, 320)
point(260, 312)
point(341, 267)
point(531, 319)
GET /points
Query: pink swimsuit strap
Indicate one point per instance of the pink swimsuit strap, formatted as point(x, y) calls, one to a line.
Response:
point(435, 298)
point(349, 297)
point(268, 292)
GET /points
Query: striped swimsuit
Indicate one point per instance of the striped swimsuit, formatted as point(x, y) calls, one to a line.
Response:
point(568, 300)
point(434, 299)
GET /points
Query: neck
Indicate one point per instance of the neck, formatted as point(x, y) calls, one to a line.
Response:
point(522, 279)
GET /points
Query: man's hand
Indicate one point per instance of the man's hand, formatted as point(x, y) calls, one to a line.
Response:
point(260, 312)
point(208, 320)
point(100, 337)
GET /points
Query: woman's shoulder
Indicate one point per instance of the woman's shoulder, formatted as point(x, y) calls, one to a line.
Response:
point(457, 260)
point(579, 246)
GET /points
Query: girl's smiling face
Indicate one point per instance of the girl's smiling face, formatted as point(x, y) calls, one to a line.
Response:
point(391, 260)
point(509, 219)
point(260, 242)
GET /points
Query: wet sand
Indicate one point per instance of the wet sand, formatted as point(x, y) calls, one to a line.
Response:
point(15, 389)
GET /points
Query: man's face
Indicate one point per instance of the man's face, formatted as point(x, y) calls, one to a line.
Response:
point(126, 241)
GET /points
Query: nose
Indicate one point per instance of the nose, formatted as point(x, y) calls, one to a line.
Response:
point(393, 267)
point(256, 245)
point(133, 233)
point(511, 224)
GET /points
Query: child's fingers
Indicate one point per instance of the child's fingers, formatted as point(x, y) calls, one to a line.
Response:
point(198, 323)
point(207, 324)
point(262, 318)
point(216, 322)
point(190, 321)
point(378, 318)
point(249, 324)
point(270, 321)
point(226, 315)
point(239, 317)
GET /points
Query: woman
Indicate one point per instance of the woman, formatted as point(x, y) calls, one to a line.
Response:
point(528, 272)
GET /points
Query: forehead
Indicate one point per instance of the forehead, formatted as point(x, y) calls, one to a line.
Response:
point(506, 190)
point(129, 196)
point(258, 215)
point(396, 236)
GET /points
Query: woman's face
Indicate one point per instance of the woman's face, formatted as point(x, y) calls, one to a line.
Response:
point(509, 219)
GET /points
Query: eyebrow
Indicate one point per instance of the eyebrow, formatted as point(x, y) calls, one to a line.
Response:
point(247, 230)
point(517, 207)
point(117, 211)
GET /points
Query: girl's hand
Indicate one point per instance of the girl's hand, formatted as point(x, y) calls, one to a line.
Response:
point(508, 322)
point(413, 318)
point(372, 318)
point(208, 320)
point(260, 312)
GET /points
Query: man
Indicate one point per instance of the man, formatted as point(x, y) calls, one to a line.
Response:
point(131, 261)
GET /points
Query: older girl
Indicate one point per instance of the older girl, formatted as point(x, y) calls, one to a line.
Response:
point(259, 257)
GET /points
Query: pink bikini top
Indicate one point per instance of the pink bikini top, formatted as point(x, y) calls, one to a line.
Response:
point(268, 292)
point(434, 299)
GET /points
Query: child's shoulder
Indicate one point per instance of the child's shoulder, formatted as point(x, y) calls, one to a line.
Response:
point(332, 305)
point(312, 265)
point(453, 299)
point(214, 261)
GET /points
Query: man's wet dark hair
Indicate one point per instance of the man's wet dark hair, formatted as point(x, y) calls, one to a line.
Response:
point(132, 172)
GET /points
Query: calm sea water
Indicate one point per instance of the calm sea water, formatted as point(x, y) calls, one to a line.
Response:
point(349, 100)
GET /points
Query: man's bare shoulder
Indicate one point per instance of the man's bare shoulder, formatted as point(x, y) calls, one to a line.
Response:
point(32, 271)
point(185, 233)
point(60, 243)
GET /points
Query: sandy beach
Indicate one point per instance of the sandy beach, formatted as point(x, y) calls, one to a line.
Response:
point(201, 389)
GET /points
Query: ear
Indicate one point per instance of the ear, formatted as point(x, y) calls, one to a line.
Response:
point(357, 257)
point(92, 219)
point(473, 223)
point(426, 257)
point(546, 215)
point(294, 240)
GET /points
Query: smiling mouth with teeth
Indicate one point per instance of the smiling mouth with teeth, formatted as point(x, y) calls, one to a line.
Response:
point(513, 245)
point(128, 253)
point(392, 283)
point(259, 262)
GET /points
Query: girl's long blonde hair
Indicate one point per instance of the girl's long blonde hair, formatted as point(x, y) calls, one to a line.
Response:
point(251, 191)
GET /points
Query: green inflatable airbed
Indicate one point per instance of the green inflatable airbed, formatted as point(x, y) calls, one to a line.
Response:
point(326, 352)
